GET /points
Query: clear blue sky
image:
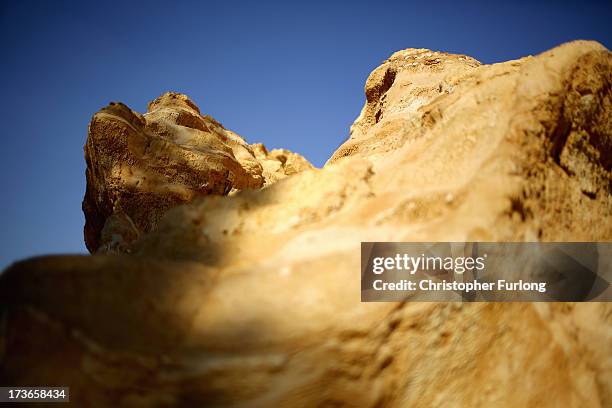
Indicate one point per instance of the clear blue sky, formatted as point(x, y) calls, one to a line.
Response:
point(288, 74)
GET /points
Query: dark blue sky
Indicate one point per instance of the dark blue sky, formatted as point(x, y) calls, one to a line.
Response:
point(288, 74)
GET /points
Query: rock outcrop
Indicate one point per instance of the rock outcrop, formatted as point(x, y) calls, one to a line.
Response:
point(253, 299)
point(139, 166)
point(279, 163)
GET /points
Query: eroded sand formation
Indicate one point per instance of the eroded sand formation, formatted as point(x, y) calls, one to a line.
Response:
point(252, 298)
